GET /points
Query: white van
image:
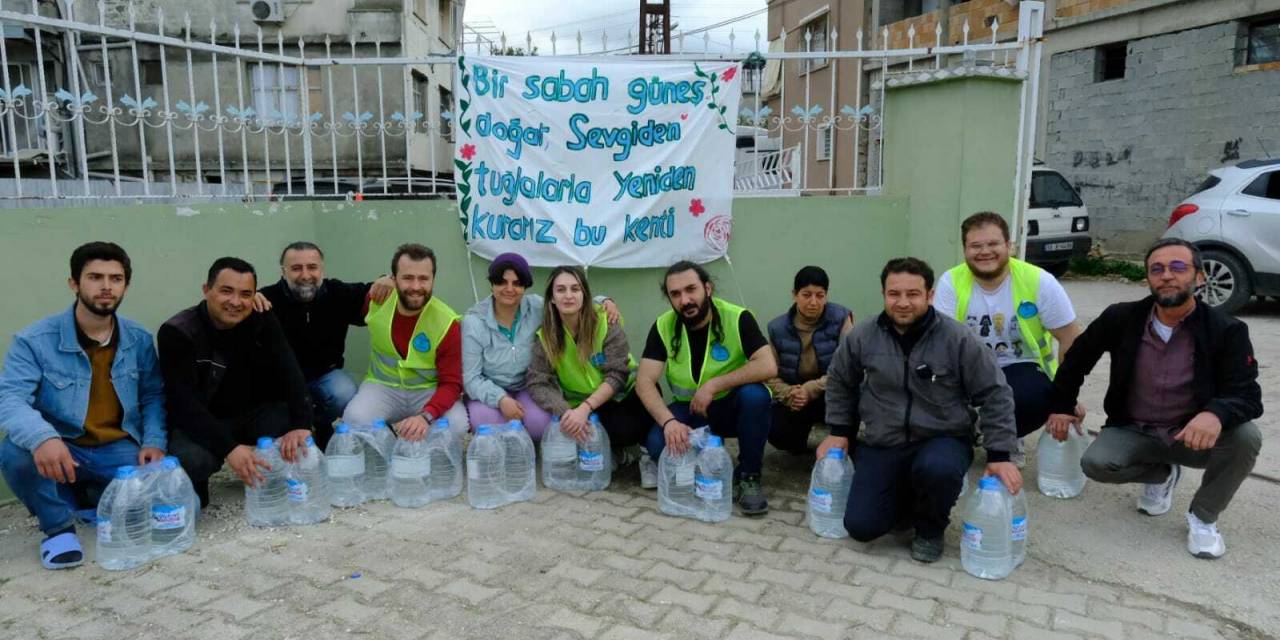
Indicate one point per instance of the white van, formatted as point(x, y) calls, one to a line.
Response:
point(1057, 222)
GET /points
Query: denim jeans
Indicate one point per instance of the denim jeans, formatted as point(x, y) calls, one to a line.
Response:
point(330, 394)
point(743, 414)
point(54, 504)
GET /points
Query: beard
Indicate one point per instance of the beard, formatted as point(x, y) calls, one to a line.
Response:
point(410, 304)
point(1172, 300)
point(98, 307)
point(303, 291)
point(701, 315)
point(986, 275)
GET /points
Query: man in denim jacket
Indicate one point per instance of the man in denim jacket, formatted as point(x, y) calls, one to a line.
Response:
point(80, 395)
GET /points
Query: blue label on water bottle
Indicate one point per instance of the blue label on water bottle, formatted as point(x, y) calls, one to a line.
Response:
point(971, 538)
point(708, 488)
point(820, 500)
point(168, 516)
point(590, 461)
point(297, 490)
point(1018, 528)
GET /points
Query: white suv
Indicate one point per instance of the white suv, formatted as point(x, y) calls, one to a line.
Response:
point(1057, 222)
point(1234, 218)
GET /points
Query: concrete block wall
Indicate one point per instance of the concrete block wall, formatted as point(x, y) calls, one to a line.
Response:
point(1134, 147)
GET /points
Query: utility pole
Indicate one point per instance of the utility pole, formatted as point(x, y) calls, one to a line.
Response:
point(655, 26)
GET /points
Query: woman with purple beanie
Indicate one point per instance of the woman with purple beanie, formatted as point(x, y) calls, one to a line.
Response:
point(497, 344)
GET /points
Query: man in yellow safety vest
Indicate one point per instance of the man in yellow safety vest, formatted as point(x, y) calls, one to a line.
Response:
point(716, 361)
point(1016, 308)
point(415, 360)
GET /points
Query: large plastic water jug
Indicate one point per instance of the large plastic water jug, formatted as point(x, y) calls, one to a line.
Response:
point(829, 493)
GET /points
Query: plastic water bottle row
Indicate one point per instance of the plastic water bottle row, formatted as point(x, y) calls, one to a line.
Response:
point(994, 535)
point(289, 493)
point(699, 482)
point(145, 513)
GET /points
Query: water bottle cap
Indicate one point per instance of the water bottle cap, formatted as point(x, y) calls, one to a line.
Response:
point(379, 424)
point(484, 430)
point(835, 453)
point(514, 425)
point(713, 442)
point(342, 428)
point(126, 471)
point(442, 423)
point(266, 443)
point(594, 417)
point(170, 463)
point(311, 442)
point(990, 483)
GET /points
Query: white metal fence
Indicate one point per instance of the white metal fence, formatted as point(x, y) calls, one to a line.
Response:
point(113, 111)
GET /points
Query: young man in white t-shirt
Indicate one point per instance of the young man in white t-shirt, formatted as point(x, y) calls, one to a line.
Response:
point(1007, 300)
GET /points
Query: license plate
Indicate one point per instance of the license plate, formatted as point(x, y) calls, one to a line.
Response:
point(1059, 246)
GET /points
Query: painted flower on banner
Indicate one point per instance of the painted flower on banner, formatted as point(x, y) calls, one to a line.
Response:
point(468, 152)
point(716, 233)
point(728, 75)
point(696, 208)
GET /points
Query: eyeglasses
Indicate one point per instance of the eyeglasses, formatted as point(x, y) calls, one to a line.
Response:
point(1176, 266)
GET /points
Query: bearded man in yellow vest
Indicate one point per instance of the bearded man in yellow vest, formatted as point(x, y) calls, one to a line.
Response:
point(1017, 309)
point(415, 364)
point(716, 361)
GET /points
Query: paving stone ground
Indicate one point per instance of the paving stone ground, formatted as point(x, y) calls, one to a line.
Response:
point(610, 565)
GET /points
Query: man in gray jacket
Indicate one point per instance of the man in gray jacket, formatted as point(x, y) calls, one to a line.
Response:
point(911, 376)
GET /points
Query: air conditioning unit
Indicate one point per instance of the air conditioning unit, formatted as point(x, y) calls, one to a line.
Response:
point(267, 10)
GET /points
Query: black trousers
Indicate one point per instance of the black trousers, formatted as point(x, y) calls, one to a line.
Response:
point(790, 430)
point(268, 420)
point(1032, 391)
point(917, 482)
point(626, 421)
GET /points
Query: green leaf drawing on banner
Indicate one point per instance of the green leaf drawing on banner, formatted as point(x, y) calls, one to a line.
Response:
point(724, 126)
point(462, 166)
point(466, 127)
point(465, 104)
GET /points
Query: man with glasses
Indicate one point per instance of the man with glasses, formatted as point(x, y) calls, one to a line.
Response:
point(1183, 391)
point(1016, 308)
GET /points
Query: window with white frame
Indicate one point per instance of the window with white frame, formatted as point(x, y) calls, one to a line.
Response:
point(277, 92)
point(446, 20)
point(446, 106)
point(421, 92)
point(823, 146)
point(817, 31)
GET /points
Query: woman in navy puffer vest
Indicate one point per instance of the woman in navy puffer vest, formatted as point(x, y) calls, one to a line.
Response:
point(804, 339)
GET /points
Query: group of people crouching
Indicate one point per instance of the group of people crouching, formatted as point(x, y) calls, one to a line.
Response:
point(967, 360)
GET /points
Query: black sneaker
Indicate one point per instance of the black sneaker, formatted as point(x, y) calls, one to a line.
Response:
point(751, 496)
point(926, 549)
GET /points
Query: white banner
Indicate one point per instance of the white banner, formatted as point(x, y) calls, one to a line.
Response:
point(595, 161)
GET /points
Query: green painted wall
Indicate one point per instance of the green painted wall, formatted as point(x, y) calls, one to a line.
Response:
point(948, 153)
point(172, 246)
point(950, 146)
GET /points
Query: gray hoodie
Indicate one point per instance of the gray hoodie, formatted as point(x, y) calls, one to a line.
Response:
point(927, 393)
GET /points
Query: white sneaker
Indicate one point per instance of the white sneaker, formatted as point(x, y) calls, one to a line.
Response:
point(648, 472)
point(1203, 539)
point(1157, 498)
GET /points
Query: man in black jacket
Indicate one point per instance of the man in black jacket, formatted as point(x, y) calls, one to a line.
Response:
point(229, 379)
point(315, 312)
point(1183, 390)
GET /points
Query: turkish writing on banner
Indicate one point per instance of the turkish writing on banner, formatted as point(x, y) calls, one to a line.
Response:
point(595, 161)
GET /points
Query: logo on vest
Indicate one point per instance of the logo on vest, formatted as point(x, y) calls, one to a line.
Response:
point(597, 359)
point(719, 353)
point(421, 343)
point(1028, 309)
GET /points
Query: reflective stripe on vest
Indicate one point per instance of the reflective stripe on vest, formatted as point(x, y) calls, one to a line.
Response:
point(719, 358)
point(417, 370)
point(578, 380)
point(1025, 286)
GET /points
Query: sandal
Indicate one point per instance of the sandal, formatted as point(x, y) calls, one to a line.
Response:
point(61, 551)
